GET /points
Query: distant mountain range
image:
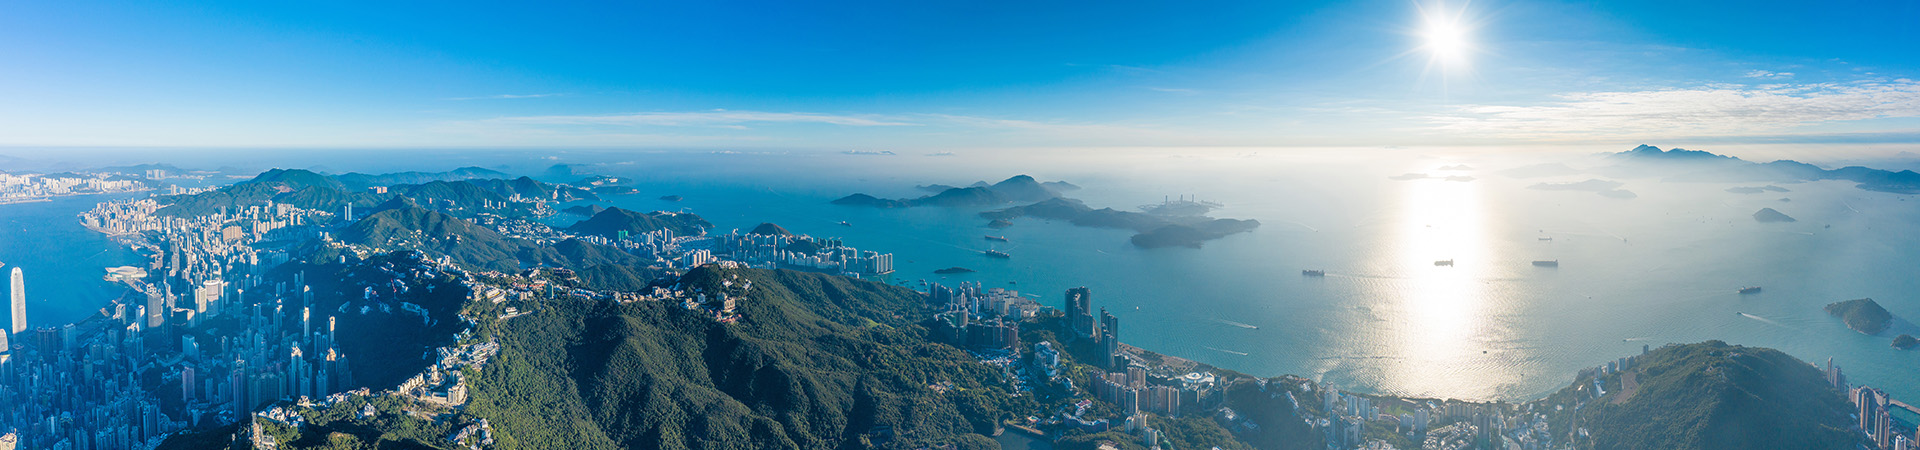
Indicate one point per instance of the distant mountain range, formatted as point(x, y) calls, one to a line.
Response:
point(1020, 188)
point(1693, 165)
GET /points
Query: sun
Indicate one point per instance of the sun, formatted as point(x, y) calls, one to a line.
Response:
point(1446, 40)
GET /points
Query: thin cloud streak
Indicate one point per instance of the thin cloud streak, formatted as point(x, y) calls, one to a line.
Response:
point(720, 118)
point(1709, 111)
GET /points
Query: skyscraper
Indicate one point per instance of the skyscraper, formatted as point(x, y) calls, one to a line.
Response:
point(1080, 313)
point(1110, 339)
point(19, 302)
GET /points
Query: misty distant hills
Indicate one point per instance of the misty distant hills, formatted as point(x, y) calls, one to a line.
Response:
point(1019, 188)
point(1693, 165)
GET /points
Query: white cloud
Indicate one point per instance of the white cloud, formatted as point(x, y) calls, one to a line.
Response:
point(1713, 110)
point(1769, 75)
point(717, 118)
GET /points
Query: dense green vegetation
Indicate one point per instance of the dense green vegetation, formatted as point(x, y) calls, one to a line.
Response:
point(1713, 395)
point(399, 224)
point(611, 222)
point(311, 190)
point(1862, 315)
point(363, 181)
point(815, 362)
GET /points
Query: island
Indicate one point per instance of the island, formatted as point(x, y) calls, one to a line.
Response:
point(1603, 188)
point(1905, 342)
point(615, 190)
point(1171, 223)
point(1770, 215)
point(671, 198)
point(1756, 190)
point(1018, 188)
point(953, 270)
point(1192, 235)
point(1862, 315)
point(584, 210)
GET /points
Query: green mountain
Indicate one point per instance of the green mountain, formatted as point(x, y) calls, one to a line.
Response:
point(530, 188)
point(401, 225)
point(363, 181)
point(815, 362)
point(464, 193)
point(1712, 395)
point(312, 190)
point(1862, 315)
point(611, 221)
point(296, 187)
point(601, 267)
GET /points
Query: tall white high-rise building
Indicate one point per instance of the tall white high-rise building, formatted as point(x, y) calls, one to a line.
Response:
point(19, 302)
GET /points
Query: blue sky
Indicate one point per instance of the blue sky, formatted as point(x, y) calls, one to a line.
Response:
point(951, 75)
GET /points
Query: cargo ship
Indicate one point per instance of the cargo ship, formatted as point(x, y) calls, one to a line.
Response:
point(996, 254)
point(1750, 290)
point(1444, 262)
point(1314, 273)
point(997, 238)
point(1553, 263)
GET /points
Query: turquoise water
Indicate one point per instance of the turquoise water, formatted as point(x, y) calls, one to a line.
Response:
point(61, 261)
point(1659, 268)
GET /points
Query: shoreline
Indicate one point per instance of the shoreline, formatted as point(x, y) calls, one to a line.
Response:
point(49, 198)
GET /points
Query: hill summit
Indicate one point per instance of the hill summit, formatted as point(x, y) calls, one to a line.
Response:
point(1713, 395)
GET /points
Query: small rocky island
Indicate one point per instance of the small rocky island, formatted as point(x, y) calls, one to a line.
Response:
point(1769, 215)
point(953, 270)
point(1905, 342)
point(1862, 315)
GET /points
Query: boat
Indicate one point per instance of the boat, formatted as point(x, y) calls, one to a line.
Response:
point(1546, 239)
point(1314, 273)
point(845, 224)
point(1444, 262)
point(1750, 290)
point(996, 254)
point(997, 238)
point(1552, 263)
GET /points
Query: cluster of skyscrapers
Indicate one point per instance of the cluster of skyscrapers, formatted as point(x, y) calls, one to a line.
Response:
point(788, 251)
point(198, 342)
point(975, 317)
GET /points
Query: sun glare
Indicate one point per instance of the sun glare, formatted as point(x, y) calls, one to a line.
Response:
point(1446, 40)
